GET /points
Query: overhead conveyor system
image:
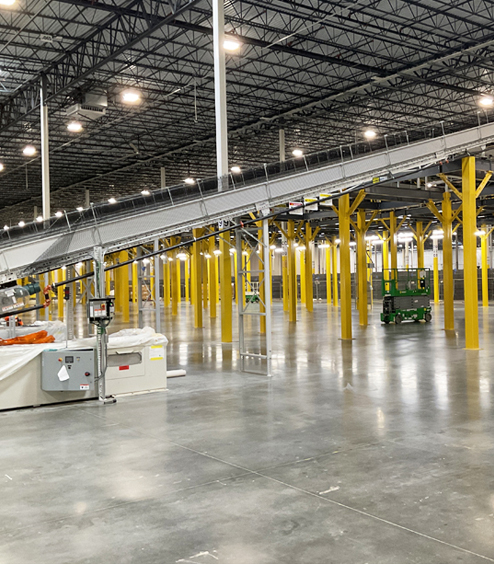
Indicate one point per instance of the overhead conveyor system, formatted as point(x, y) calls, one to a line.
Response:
point(70, 239)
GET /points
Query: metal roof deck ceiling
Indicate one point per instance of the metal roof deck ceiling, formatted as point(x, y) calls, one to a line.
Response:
point(324, 70)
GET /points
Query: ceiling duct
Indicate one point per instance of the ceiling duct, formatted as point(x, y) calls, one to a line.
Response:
point(93, 106)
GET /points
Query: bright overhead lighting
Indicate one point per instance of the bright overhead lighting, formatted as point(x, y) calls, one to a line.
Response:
point(112, 201)
point(59, 214)
point(182, 256)
point(1, 167)
point(486, 101)
point(207, 256)
point(245, 253)
point(370, 134)
point(337, 241)
point(480, 232)
point(145, 192)
point(231, 45)
point(279, 250)
point(236, 170)
point(29, 151)
point(217, 252)
point(163, 258)
point(39, 219)
point(324, 246)
point(131, 96)
point(189, 180)
point(297, 153)
point(353, 244)
point(80, 209)
point(7, 2)
point(146, 261)
point(6, 227)
point(233, 251)
point(74, 126)
point(22, 223)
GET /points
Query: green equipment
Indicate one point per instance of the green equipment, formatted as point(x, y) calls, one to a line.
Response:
point(406, 295)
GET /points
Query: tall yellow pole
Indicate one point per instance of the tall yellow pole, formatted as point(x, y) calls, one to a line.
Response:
point(448, 282)
point(345, 267)
point(470, 253)
point(197, 275)
point(235, 269)
point(328, 272)
point(213, 278)
point(187, 279)
point(226, 288)
point(179, 279)
point(263, 256)
point(173, 273)
point(193, 277)
point(435, 262)
point(385, 251)
point(419, 230)
point(123, 286)
point(334, 257)
point(166, 283)
point(292, 272)
point(205, 275)
point(284, 278)
point(309, 291)
point(392, 240)
point(361, 268)
point(302, 274)
point(485, 267)
point(134, 282)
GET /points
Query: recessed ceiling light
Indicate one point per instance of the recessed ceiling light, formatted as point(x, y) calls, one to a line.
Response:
point(297, 153)
point(370, 134)
point(236, 169)
point(74, 126)
point(29, 151)
point(231, 44)
point(189, 180)
point(131, 96)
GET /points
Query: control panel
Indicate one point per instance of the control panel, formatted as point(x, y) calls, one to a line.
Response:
point(100, 310)
point(68, 370)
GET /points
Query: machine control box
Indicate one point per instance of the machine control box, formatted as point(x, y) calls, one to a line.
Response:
point(68, 370)
point(100, 310)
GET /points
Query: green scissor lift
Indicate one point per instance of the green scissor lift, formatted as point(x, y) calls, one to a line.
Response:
point(406, 295)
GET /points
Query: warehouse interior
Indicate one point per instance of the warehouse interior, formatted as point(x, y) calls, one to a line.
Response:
point(246, 281)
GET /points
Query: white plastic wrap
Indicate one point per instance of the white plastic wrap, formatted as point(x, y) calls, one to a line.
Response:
point(55, 328)
point(14, 357)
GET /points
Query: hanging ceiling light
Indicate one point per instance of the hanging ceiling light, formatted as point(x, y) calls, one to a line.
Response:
point(486, 101)
point(189, 180)
point(74, 126)
point(1, 167)
point(22, 223)
point(112, 201)
point(236, 170)
point(231, 44)
point(6, 227)
point(182, 256)
point(7, 2)
point(29, 151)
point(80, 209)
point(145, 192)
point(370, 134)
point(39, 219)
point(297, 153)
point(59, 214)
point(131, 96)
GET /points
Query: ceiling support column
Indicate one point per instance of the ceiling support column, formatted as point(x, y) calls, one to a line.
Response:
point(45, 150)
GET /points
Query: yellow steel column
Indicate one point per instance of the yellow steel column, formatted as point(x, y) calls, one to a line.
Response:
point(173, 273)
point(179, 279)
point(448, 282)
point(193, 276)
point(205, 274)
point(361, 267)
point(436, 272)
point(301, 269)
point(213, 278)
point(470, 253)
point(197, 274)
point(226, 288)
point(107, 282)
point(392, 240)
point(345, 267)
point(284, 281)
point(134, 282)
point(187, 279)
point(385, 250)
point(166, 282)
point(328, 272)
point(309, 291)
point(235, 269)
point(60, 278)
point(334, 258)
point(123, 281)
point(292, 272)
point(485, 266)
point(262, 257)
point(419, 231)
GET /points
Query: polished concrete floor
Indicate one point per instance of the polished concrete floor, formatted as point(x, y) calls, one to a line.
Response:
point(377, 451)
